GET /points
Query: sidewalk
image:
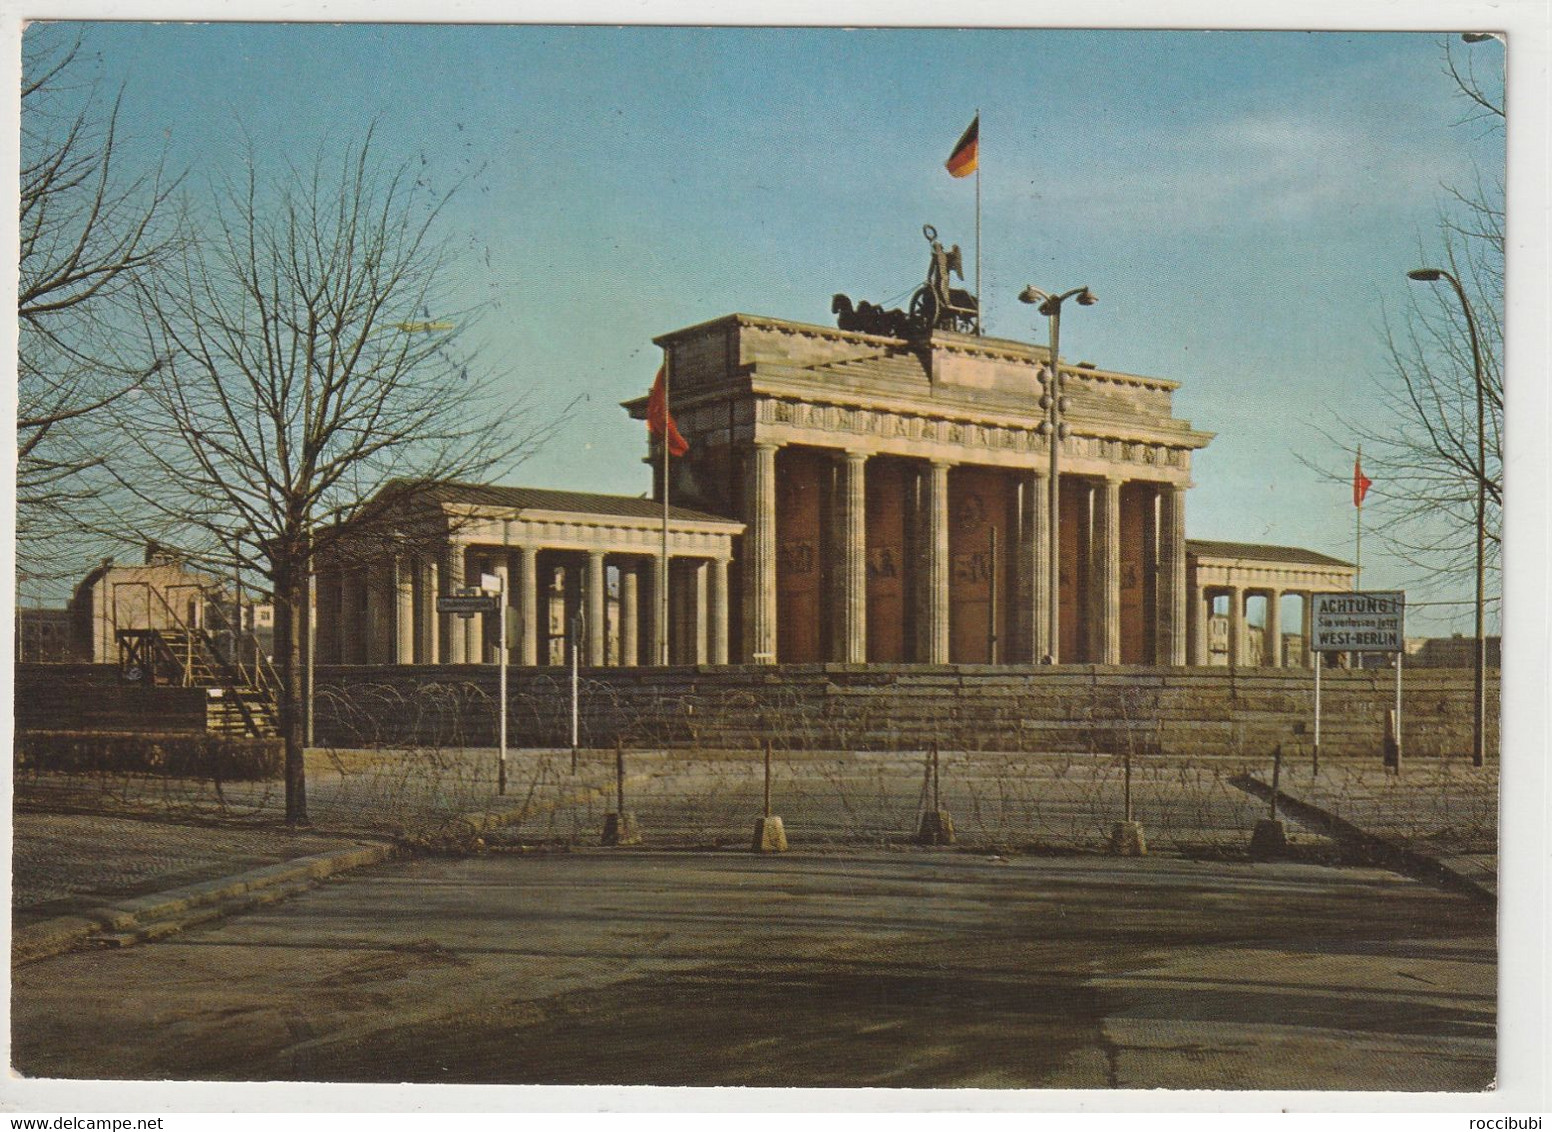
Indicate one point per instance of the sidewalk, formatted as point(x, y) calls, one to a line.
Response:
point(120, 862)
point(1436, 819)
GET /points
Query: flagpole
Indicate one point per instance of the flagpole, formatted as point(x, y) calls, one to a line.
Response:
point(1358, 525)
point(979, 330)
point(662, 619)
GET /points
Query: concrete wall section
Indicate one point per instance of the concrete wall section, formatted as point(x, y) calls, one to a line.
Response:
point(1074, 709)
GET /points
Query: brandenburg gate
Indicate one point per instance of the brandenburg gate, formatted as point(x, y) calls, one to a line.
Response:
point(893, 493)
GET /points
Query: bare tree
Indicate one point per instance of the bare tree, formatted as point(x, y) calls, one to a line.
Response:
point(89, 233)
point(1423, 458)
point(304, 387)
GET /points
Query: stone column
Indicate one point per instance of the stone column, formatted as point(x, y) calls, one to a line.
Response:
point(527, 605)
point(1272, 650)
point(719, 611)
point(597, 629)
point(404, 611)
point(630, 611)
point(1201, 613)
point(760, 556)
point(1237, 649)
point(1171, 592)
point(1034, 562)
point(457, 627)
point(934, 636)
point(700, 644)
point(851, 528)
point(1107, 569)
point(344, 617)
point(657, 625)
point(430, 638)
point(379, 615)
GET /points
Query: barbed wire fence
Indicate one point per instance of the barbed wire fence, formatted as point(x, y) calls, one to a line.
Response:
point(412, 761)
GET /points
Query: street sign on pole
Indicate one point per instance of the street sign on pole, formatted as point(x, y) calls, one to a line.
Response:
point(1373, 621)
point(501, 772)
point(468, 603)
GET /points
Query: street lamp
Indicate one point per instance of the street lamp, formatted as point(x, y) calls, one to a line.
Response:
point(1055, 431)
point(1479, 727)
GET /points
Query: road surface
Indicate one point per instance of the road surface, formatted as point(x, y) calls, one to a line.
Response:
point(929, 968)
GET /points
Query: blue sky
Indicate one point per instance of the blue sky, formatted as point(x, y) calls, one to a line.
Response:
point(1245, 204)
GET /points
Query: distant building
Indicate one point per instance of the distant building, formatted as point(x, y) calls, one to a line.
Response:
point(162, 593)
point(1449, 652)
point(43, 636)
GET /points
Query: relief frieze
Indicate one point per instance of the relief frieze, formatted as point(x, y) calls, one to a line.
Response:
point(838, 420)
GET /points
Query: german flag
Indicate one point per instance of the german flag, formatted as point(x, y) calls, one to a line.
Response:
point(964, 160)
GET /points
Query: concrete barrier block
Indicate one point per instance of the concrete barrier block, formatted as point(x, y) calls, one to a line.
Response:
point(1127, 840)
point(937, 828)
point(621, 829)
point(1269, 840)
point(770, 836)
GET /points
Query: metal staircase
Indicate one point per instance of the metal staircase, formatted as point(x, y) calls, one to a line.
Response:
point(242, 688)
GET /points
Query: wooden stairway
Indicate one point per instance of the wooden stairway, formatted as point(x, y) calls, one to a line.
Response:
point(242, 696)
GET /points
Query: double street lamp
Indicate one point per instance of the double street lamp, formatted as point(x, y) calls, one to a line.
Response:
point(1479, 727)
point(1055, 430)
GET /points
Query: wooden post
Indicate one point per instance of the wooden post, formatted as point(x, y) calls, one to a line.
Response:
point(1277, 770)
point(767, 809)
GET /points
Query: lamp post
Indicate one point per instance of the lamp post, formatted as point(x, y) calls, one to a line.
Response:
point(1055, 431)
point(1479, 664)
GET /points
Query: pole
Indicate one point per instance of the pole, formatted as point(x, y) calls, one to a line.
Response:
point(936, 802)
point(662, 597)
point(1357, 657)
point(312, 636)
point(1277, 773)
point(237, 620)
point(991, 628)
point(978, 327)
point(1398, 713)
point(501, 770)
point(1358, 534)
point(1126, 764)
point(767, 778)
point(1055, 496)
point(619, 778)
point(1479, 663)
point(576, 632)
point(1320, 661)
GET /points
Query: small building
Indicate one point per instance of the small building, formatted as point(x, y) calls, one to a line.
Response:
point(161, 594)
point(577, 568)
point(1239, 594)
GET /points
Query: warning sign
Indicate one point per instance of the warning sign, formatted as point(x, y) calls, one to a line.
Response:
point(1360, 622)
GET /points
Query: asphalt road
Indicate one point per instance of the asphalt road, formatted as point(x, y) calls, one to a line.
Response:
point(900, 969)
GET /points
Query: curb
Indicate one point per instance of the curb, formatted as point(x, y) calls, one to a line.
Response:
point(162, 914)
point(1403, 860)
point(151, 917)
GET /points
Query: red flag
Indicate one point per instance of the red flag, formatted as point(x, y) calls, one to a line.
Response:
point(660, 420)
point(1361, 483)
point(967, 152)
